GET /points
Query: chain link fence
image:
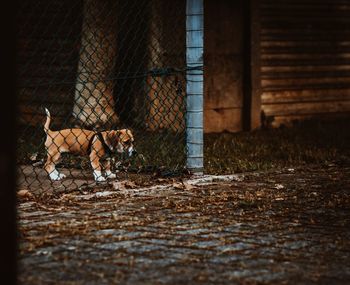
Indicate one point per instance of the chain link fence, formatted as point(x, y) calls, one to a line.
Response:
point(100, 66)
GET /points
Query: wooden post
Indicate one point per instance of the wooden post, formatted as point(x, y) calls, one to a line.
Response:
point(255, 108)
point(194, 87)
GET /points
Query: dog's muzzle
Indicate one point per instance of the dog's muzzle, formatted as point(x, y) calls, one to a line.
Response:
point(132, 151)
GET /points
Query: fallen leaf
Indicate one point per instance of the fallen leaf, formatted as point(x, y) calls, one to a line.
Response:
point(183, 186)
point(123, 185)
point(24, 193)
point(278, 186)
point(279, 199)
point(130, 184)
point(178, 185)
point(34, 156)
point(189, 186)
point(38, 163)
point(118, 186)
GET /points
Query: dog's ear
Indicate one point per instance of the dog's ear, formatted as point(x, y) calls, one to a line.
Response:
point(126, 135)
point(113, 138)
point(129, 133)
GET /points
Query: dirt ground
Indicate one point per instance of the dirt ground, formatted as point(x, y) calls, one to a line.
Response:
point(284, 226)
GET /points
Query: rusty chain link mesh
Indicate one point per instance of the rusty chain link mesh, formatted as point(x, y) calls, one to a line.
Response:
point(100, 66)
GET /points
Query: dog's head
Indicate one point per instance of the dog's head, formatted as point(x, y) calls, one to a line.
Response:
point(122, 141)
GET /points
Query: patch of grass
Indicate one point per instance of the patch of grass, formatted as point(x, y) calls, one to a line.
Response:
point(307, 142)
point(165, 149)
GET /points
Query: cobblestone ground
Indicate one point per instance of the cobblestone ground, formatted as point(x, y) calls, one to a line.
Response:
point(290, 226)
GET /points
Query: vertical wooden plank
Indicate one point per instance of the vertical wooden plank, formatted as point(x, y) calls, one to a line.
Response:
point(255, 108)
point(247, 74)
point(194, 86)
point(225, 54)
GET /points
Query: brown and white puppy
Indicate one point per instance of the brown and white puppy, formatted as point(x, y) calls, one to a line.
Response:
point(85, 142)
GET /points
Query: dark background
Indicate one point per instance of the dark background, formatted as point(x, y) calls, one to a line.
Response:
point(7, 145)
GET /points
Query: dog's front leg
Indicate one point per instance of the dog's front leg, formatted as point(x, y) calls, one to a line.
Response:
point(107, 167)
point(95, 163)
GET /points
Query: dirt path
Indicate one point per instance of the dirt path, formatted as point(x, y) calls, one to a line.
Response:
point(290, 226)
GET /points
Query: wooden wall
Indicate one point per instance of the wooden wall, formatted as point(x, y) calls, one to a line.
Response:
point(300, 67)
point(223, 65)
point(303, 58)
point(48, 42)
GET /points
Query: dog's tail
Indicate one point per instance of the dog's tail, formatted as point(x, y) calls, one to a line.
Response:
point(48, 121)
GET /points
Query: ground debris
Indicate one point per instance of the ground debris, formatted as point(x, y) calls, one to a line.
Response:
point(123, 185)
point(225, 230)
point(278, 186)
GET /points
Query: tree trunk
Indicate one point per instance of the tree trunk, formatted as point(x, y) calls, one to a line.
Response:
point(94, 103)
point(166, 49)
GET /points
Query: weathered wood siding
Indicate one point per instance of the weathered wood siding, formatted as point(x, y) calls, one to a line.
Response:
point(48, 44)
point(223, 65)
point(304, 58)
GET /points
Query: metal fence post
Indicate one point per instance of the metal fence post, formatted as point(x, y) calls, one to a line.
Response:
point(194, 87)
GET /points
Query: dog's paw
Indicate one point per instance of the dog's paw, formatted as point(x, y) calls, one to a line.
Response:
point(61, 176)
point(110, 175)
point(56, 176)
point(98, 176)
point(100, 179)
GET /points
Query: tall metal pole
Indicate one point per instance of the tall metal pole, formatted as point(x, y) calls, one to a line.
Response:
point(194, 87)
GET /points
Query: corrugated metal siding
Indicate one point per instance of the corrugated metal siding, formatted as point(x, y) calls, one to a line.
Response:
point(304, 58)
point(48, 47)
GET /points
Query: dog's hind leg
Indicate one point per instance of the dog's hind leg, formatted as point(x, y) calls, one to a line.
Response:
point(50, 166)
point(95, 163)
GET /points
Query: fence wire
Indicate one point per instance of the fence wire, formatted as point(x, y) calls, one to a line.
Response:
point(111, 75)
